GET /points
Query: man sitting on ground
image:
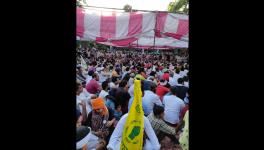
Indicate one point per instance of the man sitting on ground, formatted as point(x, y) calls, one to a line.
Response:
point(173, 106)
point(181, 89)
point(93, 87)
point(151, 98)
point(157, 122)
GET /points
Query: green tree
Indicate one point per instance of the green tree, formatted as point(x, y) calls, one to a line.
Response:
point(179, 6)
point(127, 8)
point(81, 3)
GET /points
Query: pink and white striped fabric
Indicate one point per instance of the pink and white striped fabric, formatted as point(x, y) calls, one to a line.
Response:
point(136, 29)
point(172, 25)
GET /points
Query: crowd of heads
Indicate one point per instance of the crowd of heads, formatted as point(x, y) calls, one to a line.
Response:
point(105, 88)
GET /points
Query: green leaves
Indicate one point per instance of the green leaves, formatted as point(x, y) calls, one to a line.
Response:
point(81, 3)
point(179, 6)
point(127, 8)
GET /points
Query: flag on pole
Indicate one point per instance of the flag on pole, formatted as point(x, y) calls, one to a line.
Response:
point(132, 137)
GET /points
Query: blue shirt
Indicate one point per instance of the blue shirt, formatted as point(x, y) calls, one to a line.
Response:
point(143, 104)
point(111, 105)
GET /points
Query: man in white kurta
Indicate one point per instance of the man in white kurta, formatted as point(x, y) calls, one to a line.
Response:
point(152, 142)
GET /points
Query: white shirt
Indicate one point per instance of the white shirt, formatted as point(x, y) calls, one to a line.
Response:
point(182, 73)
point(84, 96)
point(173, 81)
point(105, 75)
point(131, 90)
point(186, 84)
point(91, 141)
point(171, 67)
point(154, 68)
point(103, 94)
point(150, 99)
point(130, 82)
point(85, 73)
point(101, 77)
point(112, 85)
point(88, 78)
point(176, 77)
point(125, 72)
point(85, 93)
point(172, 108)
point(149, 71)
point(160, 73)
point(151, 144)
point(186, 71)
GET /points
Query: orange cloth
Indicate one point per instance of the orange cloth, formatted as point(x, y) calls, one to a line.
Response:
point(114, 73)
point(98, 103)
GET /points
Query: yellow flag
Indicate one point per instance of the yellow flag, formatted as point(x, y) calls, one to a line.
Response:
point(132, 137)
point(184, 139)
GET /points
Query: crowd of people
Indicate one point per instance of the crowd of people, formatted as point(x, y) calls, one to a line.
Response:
point(105, 92)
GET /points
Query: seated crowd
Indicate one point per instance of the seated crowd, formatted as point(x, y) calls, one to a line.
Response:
point(105, 92)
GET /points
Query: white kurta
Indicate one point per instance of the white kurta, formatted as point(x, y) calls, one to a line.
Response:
point(84, 96)
point(172, 108)
point(151, 144)
point(151, 99)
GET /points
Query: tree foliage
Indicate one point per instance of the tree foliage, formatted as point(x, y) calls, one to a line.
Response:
point(127, 8)
point(179, 6)
point(81, 3)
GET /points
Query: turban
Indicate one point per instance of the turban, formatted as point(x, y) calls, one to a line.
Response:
point(98, 103)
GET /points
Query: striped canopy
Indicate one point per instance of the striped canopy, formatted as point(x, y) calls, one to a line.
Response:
point(133, 29)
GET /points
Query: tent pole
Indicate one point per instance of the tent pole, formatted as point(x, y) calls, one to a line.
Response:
point(155, 29)
point(154, 40)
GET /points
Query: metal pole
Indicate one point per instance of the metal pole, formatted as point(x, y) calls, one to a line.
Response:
point(155, 30)
point(154, 40)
